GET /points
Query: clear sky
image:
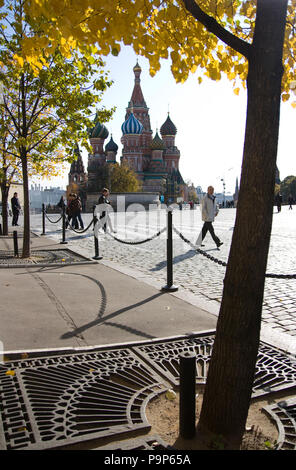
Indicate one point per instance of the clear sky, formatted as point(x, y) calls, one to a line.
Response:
point(210, 121)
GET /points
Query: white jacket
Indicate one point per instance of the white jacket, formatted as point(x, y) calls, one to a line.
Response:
point(209, 209)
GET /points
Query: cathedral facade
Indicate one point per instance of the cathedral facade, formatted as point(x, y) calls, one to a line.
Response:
point(154, 159)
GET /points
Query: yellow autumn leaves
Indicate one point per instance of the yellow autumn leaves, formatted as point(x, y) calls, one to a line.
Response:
point(159, 29)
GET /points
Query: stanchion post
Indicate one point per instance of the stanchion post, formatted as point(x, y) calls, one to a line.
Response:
point(170, 287)
point(43, 219)
point(187, 413)
point(63, 242)
point(15, 243)
point(0, 229)
point(96, 240)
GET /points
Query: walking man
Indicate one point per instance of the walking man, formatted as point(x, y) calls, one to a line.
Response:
point(209, 210)
point(15, 207)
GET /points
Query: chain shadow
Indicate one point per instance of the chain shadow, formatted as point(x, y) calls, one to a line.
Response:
point(100, 319)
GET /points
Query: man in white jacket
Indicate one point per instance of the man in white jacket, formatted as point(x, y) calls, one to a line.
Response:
point(209, 210)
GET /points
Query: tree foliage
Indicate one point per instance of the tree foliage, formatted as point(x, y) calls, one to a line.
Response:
point(218, 44)
point(288, 187)
point(123, 179)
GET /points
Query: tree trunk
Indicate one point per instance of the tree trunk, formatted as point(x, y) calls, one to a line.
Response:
point(232, 367)
point(4, 194)
point(26, 238)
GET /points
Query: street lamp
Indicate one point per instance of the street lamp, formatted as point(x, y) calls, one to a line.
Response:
point(222, 179)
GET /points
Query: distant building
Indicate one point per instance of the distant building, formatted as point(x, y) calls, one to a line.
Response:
point(48, 196)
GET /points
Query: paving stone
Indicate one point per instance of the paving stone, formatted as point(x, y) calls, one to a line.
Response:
point(191, 270)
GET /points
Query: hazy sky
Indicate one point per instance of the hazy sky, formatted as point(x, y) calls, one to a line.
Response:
point(210, 121)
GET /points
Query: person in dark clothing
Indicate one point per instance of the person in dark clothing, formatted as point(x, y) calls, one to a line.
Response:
point(279, 200)
point(62, 203)
point(15, 207)
point(77, 208)
point(290, 201)
point(74, 211)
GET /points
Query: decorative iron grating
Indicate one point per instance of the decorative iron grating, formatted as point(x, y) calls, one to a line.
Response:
point(275, 370)
point(164, 356)
point(154, 443)
point(40, 257)
point(55, 401)
point(284, 414)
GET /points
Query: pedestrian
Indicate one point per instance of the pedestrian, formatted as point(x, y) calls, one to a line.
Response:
point(75, 211)
point(290, 201)
point(69, 208)
point(209, 210)
point(279, 200)
point(104, 203)
point(62, 203)
point(15, 207)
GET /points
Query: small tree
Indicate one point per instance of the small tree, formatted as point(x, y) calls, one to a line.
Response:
point(123, 179)
point(47, 101)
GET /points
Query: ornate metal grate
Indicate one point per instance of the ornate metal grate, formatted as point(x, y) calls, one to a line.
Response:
point(284, 414)
point(60, 400)
point(275, 370)
point(41, 257)
point(154, 443)
point(54, 401)
point(164, 356)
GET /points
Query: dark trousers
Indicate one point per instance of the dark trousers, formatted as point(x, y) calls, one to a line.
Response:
point(208, 226)
point(77, 218)
point(15, 217)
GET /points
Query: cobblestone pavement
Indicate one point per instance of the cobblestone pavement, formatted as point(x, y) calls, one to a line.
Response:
point(192, 271)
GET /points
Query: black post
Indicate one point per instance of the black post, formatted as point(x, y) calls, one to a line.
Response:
point(170, 287)
point(187, 395)
point(63, 242)
point(0, 229)
point(15, 243)
point(96, 240)
point(43, 219)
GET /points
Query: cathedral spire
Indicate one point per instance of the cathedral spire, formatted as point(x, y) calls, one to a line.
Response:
point(137, 98)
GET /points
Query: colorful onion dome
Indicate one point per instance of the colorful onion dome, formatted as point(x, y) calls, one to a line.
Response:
point(168, 127)
point(157, 143)
point(99, 131)
point(132, 125)
point(111, 146)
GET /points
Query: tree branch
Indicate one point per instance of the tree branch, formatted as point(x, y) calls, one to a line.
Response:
point(214, 27)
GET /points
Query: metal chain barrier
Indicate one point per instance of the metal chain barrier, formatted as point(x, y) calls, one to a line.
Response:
point(211, 258)
point(53, 221)
point(79, 231)
point(222, 263)
point(137, 242)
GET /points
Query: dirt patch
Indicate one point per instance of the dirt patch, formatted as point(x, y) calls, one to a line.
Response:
point(163, 415)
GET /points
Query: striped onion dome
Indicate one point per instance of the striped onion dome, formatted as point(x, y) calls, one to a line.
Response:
point(99, 131)
point(132, 125)
point(157, 143)
point(111, 146)
point(168, 127)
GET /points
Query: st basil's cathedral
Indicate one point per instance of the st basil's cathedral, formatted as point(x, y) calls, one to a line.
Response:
point(155, 160)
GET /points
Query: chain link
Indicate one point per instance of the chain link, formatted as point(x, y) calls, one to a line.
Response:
point(78, 231)
point(222, 263)
point(53, 221)
point(138, 242)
